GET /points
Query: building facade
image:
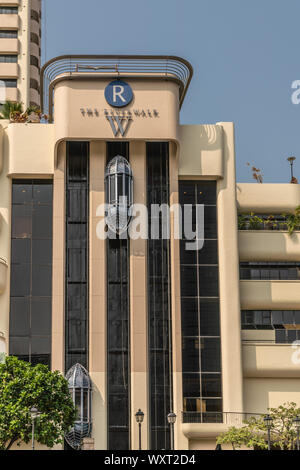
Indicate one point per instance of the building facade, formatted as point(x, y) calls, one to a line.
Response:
point(162, 321)
point(20, 51)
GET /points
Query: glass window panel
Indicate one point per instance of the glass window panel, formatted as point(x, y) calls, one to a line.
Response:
point(77, 264)
point(209, 253)
point(187, 193)
point(210, 355)
point(21, 192)
point(189, 281)
point(76, 335)
point(42, 252)
point(41, 316)
point(187, 256)
point(191, 385)
point(189, 317)
point(190, 354)
point(19, 324)
point(19, 346)
point(119, 438)
point(41, 281)
point(211, 385)
point(40, 345)
point(206, 192)
point(42, 193)
point(20, 250)
point(21, 221)
point(210, 222)
point(209, 281)
point(42, 222)
point(209, 317)
point(118, 410)
point(288, 317)
point(20, 276)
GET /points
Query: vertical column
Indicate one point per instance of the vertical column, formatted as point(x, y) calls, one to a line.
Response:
point(97, 294)
point(232, 374)
point(180, 441)
point(58, 277)
point(138, 304)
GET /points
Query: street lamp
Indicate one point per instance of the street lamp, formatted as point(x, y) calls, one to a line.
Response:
point(268, 422)
point(296, 421)
point(139, 416)
point(34, 413)
point(171, 420)
point(291, 162)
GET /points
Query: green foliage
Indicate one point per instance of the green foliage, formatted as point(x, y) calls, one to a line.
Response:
point(253, 434)
point(242, 222)
point(293, 220)
point(255, 222)
point(23, 386)
point(9, 108)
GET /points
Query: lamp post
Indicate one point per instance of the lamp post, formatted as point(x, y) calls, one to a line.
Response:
point(171, 420)
point(268, 422)
point(296, 421)
point(34, 413)
point(291, 162)
point(139, 416)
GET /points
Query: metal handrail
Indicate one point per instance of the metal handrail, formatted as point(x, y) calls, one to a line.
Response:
point(217, 417)
point(169, 67)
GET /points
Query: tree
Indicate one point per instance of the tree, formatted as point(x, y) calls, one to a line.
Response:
point(9, 108)
point(254, 432)
point(23, 386)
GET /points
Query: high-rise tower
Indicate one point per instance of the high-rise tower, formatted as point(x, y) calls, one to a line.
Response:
point(20, 50)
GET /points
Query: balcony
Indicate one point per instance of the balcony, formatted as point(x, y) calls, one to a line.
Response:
point(9, 46)
point(9, 21)
point(3, 275)
point(197, 425)
point(9, 70)
point(267, 198)
point(268, 359)
point(270, 295)
point(12, 94)
point(10, 3)
point(268, 245)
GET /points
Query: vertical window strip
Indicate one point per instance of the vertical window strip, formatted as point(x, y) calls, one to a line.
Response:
point(159, 313)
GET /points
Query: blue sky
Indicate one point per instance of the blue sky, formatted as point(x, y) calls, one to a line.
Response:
point(244, 53)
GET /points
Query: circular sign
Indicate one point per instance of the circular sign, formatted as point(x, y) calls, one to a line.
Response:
point(118, 94)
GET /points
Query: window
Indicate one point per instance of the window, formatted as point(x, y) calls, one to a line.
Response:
point(201, 353)
point(284, 271)
point(31, 271)
point(34, 61)
point(35, 39)
point(34, 84)
point(286, 323)
point(8, 34)
point(118, 338)
point(8, 10)
point(159, 306)
point(77, 254)
point(34, 15)
point(8, 58)
point(9, 83)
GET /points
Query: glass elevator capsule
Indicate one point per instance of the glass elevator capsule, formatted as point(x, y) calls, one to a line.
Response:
point(119, 194)
point(80, 388)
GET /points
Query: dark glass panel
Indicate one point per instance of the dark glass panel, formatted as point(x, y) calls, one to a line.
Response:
point(189, 281)
point(209, 253)
point(19, 324)
point(119, 437)
point(21, 221)
point(187, 256)
point(22, 192)
point(19, 346)
point(206, 192)
point(189, 317)
point(21, 279)
point(208, 281)
point(211, 385)
point(42, 252)
point(41, 281)
point(42, 222)
point(209, 317)
point(40, 345)
point(191, 354)
point(41, 316)
point(21, 251)
point(42, 193)
point(191, 385)
point(210, 222)
point(210, 355)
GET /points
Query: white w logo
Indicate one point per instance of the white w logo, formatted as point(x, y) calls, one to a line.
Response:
point(120, 129)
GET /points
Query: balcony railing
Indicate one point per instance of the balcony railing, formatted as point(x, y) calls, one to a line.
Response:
point(234, 419)
point(169, 67)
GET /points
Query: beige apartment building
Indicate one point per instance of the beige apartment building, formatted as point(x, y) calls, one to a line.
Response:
point(20, 51)
point(149, 323)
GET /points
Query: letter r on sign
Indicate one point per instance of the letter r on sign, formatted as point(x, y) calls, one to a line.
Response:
point(118, 93)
